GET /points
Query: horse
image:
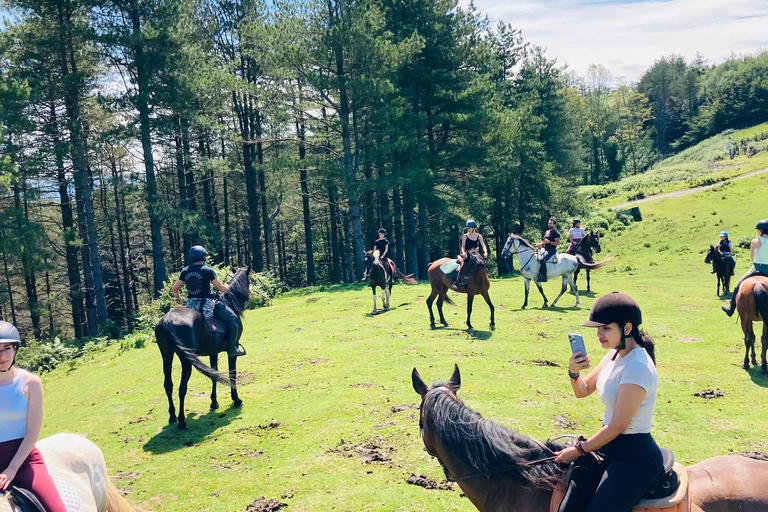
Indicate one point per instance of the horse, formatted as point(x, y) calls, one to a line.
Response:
point(80, 473)
point(503, 471)
point(378, 276)
point(588, 244)
point(565, 266)
point(183, 331)
point(752, 305)
point(722, 269)
point(477, 283)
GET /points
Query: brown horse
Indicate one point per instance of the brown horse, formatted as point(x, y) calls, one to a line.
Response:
point(477, 284)
point(752, 305)
point(502, 471)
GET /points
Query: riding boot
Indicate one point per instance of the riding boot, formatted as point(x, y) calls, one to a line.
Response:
point(232, 345)
point(543, 272)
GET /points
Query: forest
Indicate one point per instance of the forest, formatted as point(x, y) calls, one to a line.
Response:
point(283, 135)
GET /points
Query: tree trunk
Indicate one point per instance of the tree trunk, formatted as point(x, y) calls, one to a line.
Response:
point(333, 212)
point(423, 241)
point(303, 178)
point(409, 220)
point(266, 220)
point(27, 265)
point(348, 248)
point(398, 229)
point(9, 289)
point(126, 284)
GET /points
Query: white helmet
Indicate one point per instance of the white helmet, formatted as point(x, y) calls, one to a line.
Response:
point(9, 333)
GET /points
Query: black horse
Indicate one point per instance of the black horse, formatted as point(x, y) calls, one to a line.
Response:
point(184, 331)
point(585, 248)
point(378, 277)
point(722, 269)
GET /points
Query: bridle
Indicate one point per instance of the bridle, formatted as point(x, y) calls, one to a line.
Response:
point(509, 253)
point(462, 478)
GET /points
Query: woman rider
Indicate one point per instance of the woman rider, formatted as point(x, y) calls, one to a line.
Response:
point(382, 245)
point(726, 248)
point(21, 417)
point(198, 278)
point(471, 243)
point(575, 236)
point(626, 381)
point(758, 251)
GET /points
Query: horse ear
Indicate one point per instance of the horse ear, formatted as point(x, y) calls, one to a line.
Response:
point(249, 270)
point(455, 381)
point(418, 383)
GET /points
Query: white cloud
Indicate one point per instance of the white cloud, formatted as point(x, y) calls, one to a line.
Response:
point(628, 37)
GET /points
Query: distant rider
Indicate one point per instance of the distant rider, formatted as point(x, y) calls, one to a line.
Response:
point(198, 279)
point(575, 236)
point(725, 248)
point(382, 245)
point(626, 381)
point(549, 241)
point(472, 243)
point(758, 251)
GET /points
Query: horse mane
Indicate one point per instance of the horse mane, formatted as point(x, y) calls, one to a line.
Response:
point(486, 446)
point(525, 242)
point(236, 298)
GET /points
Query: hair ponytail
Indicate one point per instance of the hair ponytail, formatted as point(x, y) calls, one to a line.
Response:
point(643, 339)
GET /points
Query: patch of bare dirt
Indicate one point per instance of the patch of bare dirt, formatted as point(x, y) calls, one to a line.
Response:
point(125, 491)
point(139, 419)
point(428, 483)
point(385, 425)
point(261, 504)
point(286, 386)
point(312, 299)
point(311, 360)
point(133, 475)
point(251, 428)
point(369, 452)
point(398, 408)
point(545, 362)
point(687, 339)
point(366, 385)
point(754, 454)
point(710, 393)
point(244, 378)
point(565, 421)
point(543, 335)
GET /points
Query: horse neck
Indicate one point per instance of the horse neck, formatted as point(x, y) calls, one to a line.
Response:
point(524, 254)
point(6, 505)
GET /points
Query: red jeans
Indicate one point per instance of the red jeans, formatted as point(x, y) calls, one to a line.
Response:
point(32, 475)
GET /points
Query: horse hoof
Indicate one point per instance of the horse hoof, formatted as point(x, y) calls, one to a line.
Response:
point(172, 420)
point(445, 324)
point(544, 306)
point(745, 366)
point(432, 326)
point(214, 406)
point(183, 426)
point(237, 403)
point(764, 370)
point(493, 326)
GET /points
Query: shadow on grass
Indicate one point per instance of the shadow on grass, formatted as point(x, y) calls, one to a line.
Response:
point(380, 312)
point(480, 335)
point(757, 376)
point(171, 438)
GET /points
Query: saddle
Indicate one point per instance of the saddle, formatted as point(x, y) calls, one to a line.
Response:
point(668, 493)
point(27, 501)
point(215, 325)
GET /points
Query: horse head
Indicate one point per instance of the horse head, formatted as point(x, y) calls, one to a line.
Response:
point(711, 254)
point(594, 241)
point(506, 252)
point(239, 292)
point(368, 259)
point(451, 387)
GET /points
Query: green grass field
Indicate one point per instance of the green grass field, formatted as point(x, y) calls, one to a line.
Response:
point(331, 374)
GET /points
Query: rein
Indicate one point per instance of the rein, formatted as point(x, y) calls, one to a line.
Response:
point(533, 255)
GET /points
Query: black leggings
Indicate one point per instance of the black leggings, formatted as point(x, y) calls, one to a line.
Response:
point(632, 463)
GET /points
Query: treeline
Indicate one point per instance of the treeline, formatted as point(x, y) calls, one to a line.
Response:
point(283, 135)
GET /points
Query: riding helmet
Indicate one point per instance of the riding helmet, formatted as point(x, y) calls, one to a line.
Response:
point(471, 224)
point(575, 221)
point(9, 333)
point(614, 307)
point(382, 230)
point(724, 233)
point(197, 253)
point(763, 224)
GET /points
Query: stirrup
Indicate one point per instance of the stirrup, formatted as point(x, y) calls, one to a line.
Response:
point(239, 351)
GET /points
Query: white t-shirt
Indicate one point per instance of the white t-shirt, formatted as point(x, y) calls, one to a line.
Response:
point(577, 233)
point(634, 368)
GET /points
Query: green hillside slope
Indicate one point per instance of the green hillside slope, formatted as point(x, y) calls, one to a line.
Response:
point(332, 375)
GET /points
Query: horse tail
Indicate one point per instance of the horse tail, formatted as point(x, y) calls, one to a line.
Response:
point(187, 354)
point(761, 301)
point(592, 266)
point(116, 502)
point(408, 279)
point(449, 300)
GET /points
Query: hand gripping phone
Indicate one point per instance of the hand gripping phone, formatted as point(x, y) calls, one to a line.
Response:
point(577, 344)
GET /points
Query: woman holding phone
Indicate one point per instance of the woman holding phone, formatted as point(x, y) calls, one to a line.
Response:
point(626, 382)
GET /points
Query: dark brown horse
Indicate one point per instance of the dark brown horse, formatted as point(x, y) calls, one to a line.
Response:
point(722, 269)
point(589, 244)
point(477, 283)
point(502, 471)
point(183, 331)
point(752, 305)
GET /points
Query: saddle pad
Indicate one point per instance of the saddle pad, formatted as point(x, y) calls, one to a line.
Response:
point(215, 325)
point(678, 502)
point(68, 494)
point(450, 268)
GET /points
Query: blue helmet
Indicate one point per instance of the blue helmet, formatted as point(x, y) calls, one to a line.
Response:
point(724, 233)
point(197, 253)
point(471, 224)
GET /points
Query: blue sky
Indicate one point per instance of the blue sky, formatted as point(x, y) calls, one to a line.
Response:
point(626, 36)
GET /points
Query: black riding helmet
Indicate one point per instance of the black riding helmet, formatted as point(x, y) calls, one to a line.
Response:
point(9, 334)
point(615, 307)
point(197, 253)
point(763, 224)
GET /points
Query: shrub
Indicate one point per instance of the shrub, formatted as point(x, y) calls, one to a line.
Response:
point(744, 242)
point(41, 356)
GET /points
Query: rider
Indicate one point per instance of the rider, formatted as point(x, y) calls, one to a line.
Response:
point(198, 278)
point(726, 248)
point(575, 236)
point(21, 416)
point(759, 255)
point(382, 245)
point(471, 243)
point(626, 381)
point(549, 241)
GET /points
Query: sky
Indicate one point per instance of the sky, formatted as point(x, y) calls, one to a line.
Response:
point(627, 36)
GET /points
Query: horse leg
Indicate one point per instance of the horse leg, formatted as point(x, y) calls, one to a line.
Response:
point(490, 305)
point(576, 275)
point(588, 282)
point(373, 289)
point(388, 291)
point(236, 402)
point(168, 383)
point(440, 300)
point(563, 288)
point(430, 300)
point(749, 339)
point(541, 291)
point(215, 366)
point(186, 372)
point(575, 289)
point(527, 290)
point(470, 298)
point(764, 341)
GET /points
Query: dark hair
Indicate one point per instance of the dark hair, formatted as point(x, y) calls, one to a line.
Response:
point(553, 220)
point(643, 339)
point(763, 232)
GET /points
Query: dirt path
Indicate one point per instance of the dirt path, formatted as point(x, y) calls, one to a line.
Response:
point(685, 191)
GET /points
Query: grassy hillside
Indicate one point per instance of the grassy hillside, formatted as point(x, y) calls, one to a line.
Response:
point(324, 378)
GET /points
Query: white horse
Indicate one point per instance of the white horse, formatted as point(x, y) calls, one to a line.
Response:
point(562, 265)
point(78, 468)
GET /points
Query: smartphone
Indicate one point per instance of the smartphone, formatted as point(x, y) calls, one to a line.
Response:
point(577, 344)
